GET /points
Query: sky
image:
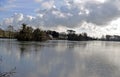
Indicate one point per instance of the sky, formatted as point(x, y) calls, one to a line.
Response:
point(96, 17)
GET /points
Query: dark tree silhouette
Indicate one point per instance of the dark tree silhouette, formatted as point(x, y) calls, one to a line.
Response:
point(53, 33)
point(25, 33)
point(71, 31)
point(77, 37)
point(28, 34)
point(39, 35)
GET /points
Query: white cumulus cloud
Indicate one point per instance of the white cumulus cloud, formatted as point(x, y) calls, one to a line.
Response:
point(97, 14)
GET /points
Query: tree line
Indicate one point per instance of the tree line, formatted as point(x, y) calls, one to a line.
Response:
point(110, 38)
point(78, 37)
point(27, 33)
point(9, 33)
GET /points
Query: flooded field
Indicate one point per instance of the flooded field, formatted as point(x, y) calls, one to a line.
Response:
point(60, 58)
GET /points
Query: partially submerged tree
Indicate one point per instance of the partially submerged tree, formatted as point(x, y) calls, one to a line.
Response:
point(25, 33)
point(39, 35)
point(28, 34)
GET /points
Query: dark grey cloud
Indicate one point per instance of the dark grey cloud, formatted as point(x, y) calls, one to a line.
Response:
point(98, 13)
point(101, 14)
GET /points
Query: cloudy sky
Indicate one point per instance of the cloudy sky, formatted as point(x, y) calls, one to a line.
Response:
point(96, 17)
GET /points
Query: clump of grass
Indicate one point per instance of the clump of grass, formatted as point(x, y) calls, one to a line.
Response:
point(7, 74)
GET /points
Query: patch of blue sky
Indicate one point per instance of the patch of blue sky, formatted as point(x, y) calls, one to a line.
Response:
point(17, 6)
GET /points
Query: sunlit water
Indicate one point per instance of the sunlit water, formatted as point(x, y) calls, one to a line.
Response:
point(60, 58)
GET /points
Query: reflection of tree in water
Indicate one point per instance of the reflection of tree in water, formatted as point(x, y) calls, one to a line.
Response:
point(56, 64)
point(7, 44)
point(37, 47)
point(23, 48)
point(73, 44)
point(52, 43)
point(28, 47)
point(70, 64)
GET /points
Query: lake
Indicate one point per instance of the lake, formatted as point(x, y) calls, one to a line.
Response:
point(60, 58)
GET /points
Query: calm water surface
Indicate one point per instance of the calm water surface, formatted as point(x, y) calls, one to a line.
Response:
point(61, 58)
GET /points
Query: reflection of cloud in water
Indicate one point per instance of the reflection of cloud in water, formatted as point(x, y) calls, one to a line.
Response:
point(94, 66)
point(56, 64)
point(67, 64)
point(63, 59)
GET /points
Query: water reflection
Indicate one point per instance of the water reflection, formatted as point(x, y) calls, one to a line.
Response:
point(61, 58)
point(95, 66)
